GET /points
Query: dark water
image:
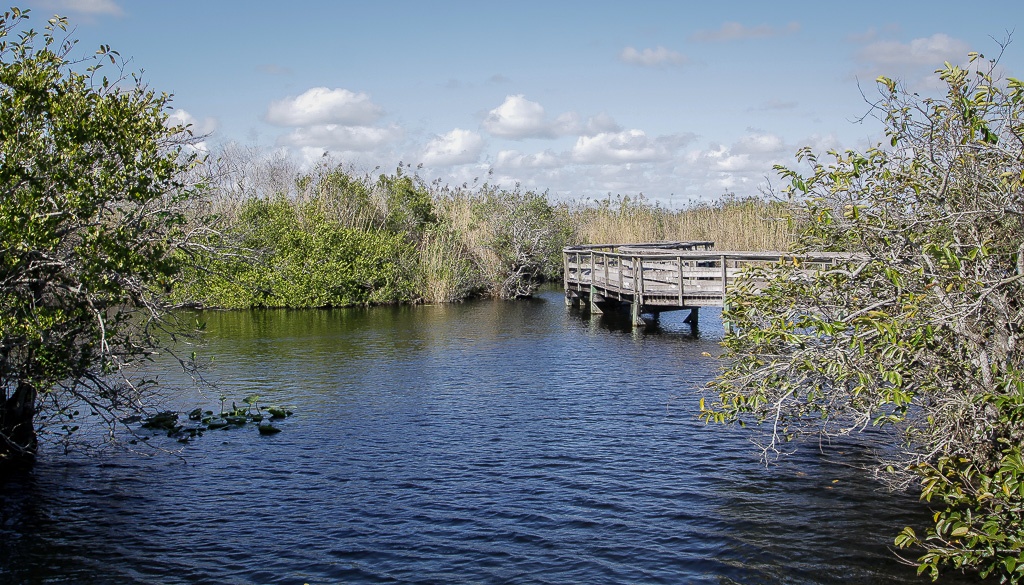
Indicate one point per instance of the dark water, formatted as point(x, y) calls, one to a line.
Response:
point(480, 443)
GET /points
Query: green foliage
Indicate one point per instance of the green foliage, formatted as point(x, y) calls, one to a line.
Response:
point(406, 201)
point(982, 524)
point(917, 329)
point(94, 203)
point(297, 259)
point(467, 241)
point(340, 239)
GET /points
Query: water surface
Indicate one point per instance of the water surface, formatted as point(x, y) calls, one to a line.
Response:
point(477, 443)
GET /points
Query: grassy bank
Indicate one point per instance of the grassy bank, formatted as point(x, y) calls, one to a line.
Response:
point(332, 236)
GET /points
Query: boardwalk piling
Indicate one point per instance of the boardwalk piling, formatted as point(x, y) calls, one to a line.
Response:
point(595, 298)
point(693, 319)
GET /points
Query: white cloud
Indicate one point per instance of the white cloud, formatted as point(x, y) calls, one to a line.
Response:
point(759, 143)
point(454, 148)
point(181, 117)
point(513, 159)
point(626, 162)
point(749, 159)
point(734, 31)
point(332, 120)
point(930, 51)
point(320, 106)
point(309, 156)
point(674, 142)
point(601, 123)
point(628, 146)
point(346, 138)
point(518, 118)
point(653, 57)
point(724, 160)
point(671, 176)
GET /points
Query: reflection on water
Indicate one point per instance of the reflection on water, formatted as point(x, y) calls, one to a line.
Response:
point(484, 443)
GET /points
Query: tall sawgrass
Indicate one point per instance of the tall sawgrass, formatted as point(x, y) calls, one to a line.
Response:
point(446, 270)
point(748, 224)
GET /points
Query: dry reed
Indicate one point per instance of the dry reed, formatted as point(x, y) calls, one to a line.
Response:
point(732, 224)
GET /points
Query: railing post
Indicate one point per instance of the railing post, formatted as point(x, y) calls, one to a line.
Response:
point(565, 278)
point(592, 300)
point(725, 306)
point(679, 273)
point(591, 268)
point(621, 275)
point(640, 278)
point(638, 292)
point(725, 277)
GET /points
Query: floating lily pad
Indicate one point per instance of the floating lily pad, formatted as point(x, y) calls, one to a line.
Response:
point(206, 420)
point(167, 421)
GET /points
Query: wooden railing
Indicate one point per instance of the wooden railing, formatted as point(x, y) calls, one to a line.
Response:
point(665, 276)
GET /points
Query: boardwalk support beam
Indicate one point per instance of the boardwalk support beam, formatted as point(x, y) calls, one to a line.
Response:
point(638, 321)
point(595, 298)
point(693, 318)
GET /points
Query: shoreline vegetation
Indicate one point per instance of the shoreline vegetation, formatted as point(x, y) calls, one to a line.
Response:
point(331, 236)
point(111, 222)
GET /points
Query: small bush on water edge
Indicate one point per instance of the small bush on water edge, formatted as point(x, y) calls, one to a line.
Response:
point(918, 329)
point(293, 259)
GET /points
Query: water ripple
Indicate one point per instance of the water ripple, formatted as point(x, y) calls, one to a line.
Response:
point(482, 443)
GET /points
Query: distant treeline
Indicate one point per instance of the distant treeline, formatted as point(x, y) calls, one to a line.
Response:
point(333, 237)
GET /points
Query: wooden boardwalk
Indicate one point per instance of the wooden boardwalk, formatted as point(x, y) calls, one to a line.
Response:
point(664, 276)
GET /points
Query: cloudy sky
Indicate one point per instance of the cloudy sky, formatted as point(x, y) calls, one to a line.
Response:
point(681, 101)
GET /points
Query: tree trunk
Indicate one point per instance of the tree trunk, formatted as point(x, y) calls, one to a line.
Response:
point(17, 426)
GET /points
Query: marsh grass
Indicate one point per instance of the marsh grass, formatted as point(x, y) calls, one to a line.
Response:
point(748, 224)
point(446, 272)
point(457, 241)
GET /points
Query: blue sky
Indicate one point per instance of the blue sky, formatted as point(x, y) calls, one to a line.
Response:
point(681, 101)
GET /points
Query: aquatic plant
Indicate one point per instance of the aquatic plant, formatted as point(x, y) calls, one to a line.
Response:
point(249, 414)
